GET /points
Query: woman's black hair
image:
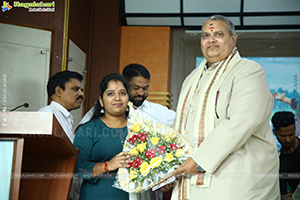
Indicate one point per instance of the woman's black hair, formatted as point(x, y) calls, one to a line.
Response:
point(103, 86)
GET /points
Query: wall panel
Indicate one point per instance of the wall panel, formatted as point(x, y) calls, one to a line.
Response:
point(53, 21)
point(105, 46)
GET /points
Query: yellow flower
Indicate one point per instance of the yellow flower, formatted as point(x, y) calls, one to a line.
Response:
point(178, 152)
point(155, 140)
point(141, 147)
point(155, 162)
point(169, 157)
point(133, 174)
point(170, 137)
point(134, 151)
point(145, 169)
point(136, 128)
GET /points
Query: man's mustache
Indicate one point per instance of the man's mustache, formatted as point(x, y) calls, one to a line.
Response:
point(139, 96)
point(213, 43)
point(80, 97)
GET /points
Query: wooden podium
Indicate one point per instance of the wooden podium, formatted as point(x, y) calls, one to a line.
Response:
point(44, 158)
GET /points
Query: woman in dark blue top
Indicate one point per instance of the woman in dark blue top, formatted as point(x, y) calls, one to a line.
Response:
point(100, 142)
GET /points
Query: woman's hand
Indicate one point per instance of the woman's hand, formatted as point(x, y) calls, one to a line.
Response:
point(120, 160)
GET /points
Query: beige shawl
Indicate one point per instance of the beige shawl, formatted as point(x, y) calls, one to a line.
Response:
point(204, 122)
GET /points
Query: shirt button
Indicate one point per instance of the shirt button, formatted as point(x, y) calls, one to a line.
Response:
point(186, 132)
point(198, 91)
point(192, 111)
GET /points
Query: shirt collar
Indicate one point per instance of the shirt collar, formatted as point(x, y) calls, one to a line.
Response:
point(62, 109)
point(145, 104)
point(212, 67)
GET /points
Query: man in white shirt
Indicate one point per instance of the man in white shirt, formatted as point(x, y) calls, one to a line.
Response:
point(139, 78)
point(66, 93)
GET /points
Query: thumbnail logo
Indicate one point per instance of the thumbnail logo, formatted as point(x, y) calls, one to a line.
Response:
point(31, 6)
point(6, 6)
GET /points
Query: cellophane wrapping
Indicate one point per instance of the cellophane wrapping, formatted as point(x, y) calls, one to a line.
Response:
point(157, 150)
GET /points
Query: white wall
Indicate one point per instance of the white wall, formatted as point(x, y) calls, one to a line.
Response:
point(24, 66)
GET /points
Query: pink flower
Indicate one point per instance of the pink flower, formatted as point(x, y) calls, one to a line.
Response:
point(161, 149)
point(150, 153)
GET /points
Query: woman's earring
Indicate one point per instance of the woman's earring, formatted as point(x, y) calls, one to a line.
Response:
point(127, 109)
point(102, 110)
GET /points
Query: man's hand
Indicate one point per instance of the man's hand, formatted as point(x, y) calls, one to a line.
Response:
point(187, 168)
point(167, 187)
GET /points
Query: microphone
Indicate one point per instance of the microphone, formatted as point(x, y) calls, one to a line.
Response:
point(25, 105)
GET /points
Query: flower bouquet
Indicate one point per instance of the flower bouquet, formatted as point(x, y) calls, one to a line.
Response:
point(157, 150)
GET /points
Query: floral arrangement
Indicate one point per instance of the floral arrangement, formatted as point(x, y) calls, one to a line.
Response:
point(157, 150)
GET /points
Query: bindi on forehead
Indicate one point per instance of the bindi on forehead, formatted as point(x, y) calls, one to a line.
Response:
point(211, 27)
point(116, 88)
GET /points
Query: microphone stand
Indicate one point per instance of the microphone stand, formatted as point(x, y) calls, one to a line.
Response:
point(25, 105)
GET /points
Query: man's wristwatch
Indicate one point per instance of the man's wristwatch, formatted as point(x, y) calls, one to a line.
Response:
point(199, 168)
